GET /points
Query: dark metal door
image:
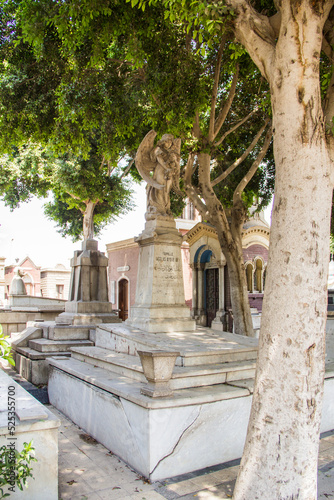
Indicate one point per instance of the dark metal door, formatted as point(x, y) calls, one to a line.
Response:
point(212, 294)
point(123, 299)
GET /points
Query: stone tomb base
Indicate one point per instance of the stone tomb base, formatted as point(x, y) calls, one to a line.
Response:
point(203, 423)
point(160, 304)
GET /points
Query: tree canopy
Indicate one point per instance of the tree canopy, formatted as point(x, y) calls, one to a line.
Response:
point(78, 185)
point(65, 88)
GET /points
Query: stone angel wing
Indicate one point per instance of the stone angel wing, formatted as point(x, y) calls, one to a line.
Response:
point(143, 160)
point(176, 173)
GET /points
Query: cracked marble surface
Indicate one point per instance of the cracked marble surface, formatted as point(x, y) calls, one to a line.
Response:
point(88, 471)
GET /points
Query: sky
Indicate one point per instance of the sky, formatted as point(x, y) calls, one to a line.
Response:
point(27, 232)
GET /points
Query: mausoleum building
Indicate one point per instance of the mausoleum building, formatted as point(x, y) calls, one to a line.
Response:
point(205, 274)
point(39, 282)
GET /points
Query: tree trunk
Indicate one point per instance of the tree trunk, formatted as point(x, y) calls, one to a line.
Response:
point(88, 221)
point(280, 456)
point(242, 318)
point(229, 236)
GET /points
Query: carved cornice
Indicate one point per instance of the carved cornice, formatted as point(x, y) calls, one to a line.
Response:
point(201, 229)
point(198, 231)
point(257, 230)
point(119, 245)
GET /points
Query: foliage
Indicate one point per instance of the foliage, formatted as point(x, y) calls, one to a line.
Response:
point(74, 181)
point(24, 173)
point(5, 349)
point(147, 68)
point(70, 124)
point(68, 89)
point(58, 99)
point(15, 467)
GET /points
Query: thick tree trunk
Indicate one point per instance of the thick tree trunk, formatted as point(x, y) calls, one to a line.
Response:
point(229, 236)
point(280, 456)
point(242, 318)
point(88, 221)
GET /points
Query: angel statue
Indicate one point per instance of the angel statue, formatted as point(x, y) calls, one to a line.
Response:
point(159, 166)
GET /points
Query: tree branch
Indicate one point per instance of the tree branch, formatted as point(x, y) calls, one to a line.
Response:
point(215, 90)
point(126, 171)
point(236, 126)
point(74, 196)
point(102, 162)
point(243, 183)
point(237, 162)
point(189, 168)
point(256, 33)
point(227, 105)
point(328, 36)
point(196, 127)
point(191, 190)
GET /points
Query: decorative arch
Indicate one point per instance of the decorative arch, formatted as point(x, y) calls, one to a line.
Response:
point(207, 255)
point(29, 283)
point(198, 251)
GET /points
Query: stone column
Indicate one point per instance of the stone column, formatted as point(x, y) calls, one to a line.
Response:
point(201, 314)
point(160, 302)
point(219, 322)
point(194, 293)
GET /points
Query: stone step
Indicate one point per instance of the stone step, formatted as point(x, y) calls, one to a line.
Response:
point(68, 332)
point(198, 348)
point(91, 320)
point(183, 376)
point(47, 345)
point(212, 358)
point(30, 353)
point(121, 386)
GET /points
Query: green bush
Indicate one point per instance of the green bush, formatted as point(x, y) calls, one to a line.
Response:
point(15, 467)
point(5, 349)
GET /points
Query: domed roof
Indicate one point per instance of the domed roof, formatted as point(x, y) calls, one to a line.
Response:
point(257, 219)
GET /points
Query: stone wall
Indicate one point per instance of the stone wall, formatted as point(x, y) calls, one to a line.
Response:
point(16, 321)
point(55, 283)
point(256, 300)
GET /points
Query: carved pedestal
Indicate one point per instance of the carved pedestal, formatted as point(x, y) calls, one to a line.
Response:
point(89, 287)
point(160, 303)
point(158, 369)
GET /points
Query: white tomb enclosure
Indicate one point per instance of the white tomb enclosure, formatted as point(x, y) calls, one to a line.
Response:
point(166, 397)
point(202, 423)
point(33, 422)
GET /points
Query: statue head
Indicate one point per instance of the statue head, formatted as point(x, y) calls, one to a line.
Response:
point(166, 141)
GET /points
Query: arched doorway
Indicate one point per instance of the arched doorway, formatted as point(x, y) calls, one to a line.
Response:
point(210, 280)
point(123, 299)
